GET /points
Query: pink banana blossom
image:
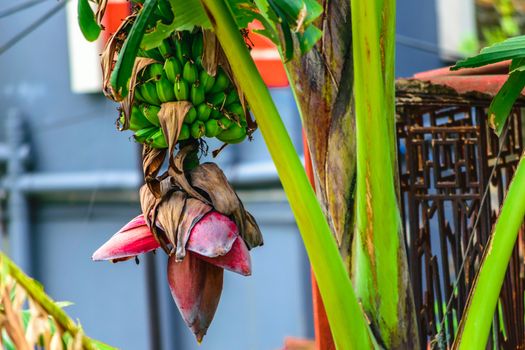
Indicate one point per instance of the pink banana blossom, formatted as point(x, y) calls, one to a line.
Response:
point(195, 281)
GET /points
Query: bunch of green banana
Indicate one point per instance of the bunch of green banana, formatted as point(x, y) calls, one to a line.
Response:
point(179, 75)
point(145, 123)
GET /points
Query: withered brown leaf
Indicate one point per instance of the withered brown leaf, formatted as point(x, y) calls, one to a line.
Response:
point(152, 160)
point(210, 54)
point(169, 213)
point(110, 52)
point(171, 118)
point(178, 174)
point(101, 10)
point(209, 178)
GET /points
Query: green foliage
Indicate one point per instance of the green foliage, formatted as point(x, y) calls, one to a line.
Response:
point(502, 103)
point(87, 22)
point(509, 49)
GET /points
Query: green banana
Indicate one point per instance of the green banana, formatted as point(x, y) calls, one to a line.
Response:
point(149, 92)
point(217, 99)
point(137, 95)
point(165, 89)
point(164, 10)
point(206, 80)
point(143, 134)
point(181, 89)
point(153, 53)
point(189, 72)
point(225, 122)
point(190, 116)
point(212, 128)
point(184, 132)
point(197, 46)
point(197, 94)
point(172, 68)
point(154, 72)
point(215, 113)
point(137, 121)
point(182, 47)
point(203, 112)
point(234, 134)
point(221, 82)
point(197, 129)
point(236, 108)
point(232, 97)
point(151, 113)
point(165, 48)
point(157, 140)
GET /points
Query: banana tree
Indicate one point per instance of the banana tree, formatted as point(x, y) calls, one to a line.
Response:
point(181, 71)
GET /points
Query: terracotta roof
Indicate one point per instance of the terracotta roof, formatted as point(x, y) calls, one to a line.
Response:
point(485, 80)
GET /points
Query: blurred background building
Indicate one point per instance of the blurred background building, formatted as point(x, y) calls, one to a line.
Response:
point(69, 180)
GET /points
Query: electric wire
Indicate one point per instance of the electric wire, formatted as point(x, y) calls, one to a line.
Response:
point(29, 29)
point(19, 7)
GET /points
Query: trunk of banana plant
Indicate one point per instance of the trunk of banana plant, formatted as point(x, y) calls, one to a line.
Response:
point(346, 98)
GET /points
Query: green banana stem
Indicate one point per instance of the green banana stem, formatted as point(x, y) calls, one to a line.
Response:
point(379, 264)
point(477, 319)
point(35, 292)
point(347, 322)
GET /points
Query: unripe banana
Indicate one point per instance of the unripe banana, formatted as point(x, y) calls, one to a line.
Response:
point(153, 72)
point(184, 132)
point(153, 53)
point(165, 89)
point(164, 10)
point(172, 68)
point(157, 140)
point(206, 80)
point(234, 134)
point(165, 48)
point(197, 129)
point(151, 113)
point(137, 120)
point(215, 113)
point(197, 46)
point(189, 72)
point(137, 95)
point(181, 89)
point(182, 46)
point(232, 97)
point(149, 93)
point(203, 112)
point(217, 99)
point(221, 82)
point(143, 134)
point(197, 94)
point(225, 123)
point(236, 108)
point(190, 116)
point(212, 128)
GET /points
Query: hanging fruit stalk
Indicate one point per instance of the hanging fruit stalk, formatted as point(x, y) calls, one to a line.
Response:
point(178, 94)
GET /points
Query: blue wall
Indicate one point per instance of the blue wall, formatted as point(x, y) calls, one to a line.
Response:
point(417, 43)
